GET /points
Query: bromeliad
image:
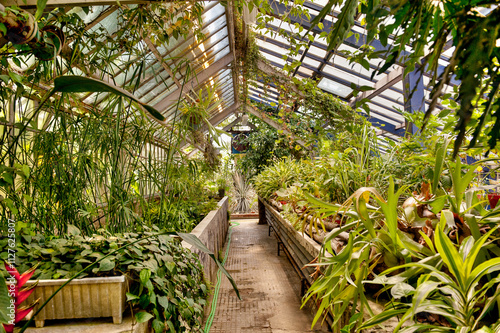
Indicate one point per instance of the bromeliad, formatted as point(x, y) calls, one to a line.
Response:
point(19, 294)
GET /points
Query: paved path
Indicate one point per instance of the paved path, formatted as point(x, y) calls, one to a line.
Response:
point(269, 287)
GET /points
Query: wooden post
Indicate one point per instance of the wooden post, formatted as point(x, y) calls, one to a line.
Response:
point(262, 212)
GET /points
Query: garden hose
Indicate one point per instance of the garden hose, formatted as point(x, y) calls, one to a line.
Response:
point(211, 316)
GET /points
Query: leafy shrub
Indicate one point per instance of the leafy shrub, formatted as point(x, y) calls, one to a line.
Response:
point(178, 215)
point(282, 174)
point(167, 280)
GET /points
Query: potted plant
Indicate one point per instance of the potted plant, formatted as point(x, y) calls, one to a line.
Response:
point(221, 187)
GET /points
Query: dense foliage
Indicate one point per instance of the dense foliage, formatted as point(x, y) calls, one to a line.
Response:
point(347, 163)
point(265, 145)
point(432, 255)
point(166, 280)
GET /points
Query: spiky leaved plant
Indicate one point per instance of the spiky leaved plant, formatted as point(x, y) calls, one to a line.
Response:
point(243, 193)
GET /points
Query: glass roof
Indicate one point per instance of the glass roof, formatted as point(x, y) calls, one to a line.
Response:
point(334, 73)
point(158, 73)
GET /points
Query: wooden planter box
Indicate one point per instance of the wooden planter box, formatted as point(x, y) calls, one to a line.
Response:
point(81, 298)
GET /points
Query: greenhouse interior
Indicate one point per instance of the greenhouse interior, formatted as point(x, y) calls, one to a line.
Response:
point(249, 166)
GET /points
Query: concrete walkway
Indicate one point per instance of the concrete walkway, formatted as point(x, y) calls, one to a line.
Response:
point(269, 287)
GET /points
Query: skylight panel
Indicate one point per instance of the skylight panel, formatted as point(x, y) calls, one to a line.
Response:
point(334, 87)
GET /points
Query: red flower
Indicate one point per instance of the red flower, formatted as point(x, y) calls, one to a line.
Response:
point(20, 294)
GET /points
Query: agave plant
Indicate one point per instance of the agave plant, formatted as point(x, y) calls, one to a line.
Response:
point(243, 193)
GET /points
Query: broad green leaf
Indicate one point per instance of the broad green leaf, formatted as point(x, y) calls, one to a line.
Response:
point(449, 253)
point(158, 326)
point(343, 24)
point(195, 241)
point(145, 275)
point(401, 289)
point(466, 247)
point(473, 225)
point(486, 267)
point(422, 292)
point(438, 167)
point(478, 245)
point(381, 318)
point(390, 209)
point(428, 241)
point(163, 301)
point(365, 217)
point(142, 317)
point(40, 7)
point(106, 265)
point(437, 204)
point(75, 84)
point(131, 297)
point(460, 183)
point(73, 230)
point(415, 248)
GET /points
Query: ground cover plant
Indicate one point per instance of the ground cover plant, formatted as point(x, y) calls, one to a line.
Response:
point(167, 282)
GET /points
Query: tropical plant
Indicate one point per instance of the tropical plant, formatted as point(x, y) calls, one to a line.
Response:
point(17, 293)
point(282, 174)
point(265, 146)
point(372, 245)
point(93, 158)
point(462, 287)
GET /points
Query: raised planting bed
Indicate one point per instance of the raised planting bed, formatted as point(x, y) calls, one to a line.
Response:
point(101, 297)
point(81, 298)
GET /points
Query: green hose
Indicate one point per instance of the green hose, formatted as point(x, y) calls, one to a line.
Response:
point(211, 316)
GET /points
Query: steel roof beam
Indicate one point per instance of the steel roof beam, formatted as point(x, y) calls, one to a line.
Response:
point(195, 82)
point(282, 10)
point(385, 126)
point(231, 34)
point(272, 123)
point(228, 127)
point(31, 4)
point(381, 85)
